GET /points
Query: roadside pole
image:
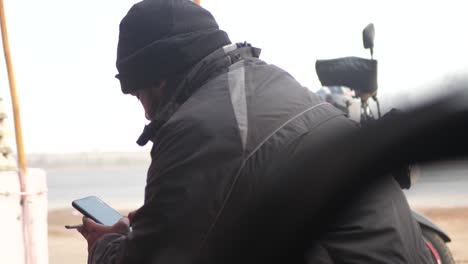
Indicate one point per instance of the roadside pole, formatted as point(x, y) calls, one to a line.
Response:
point(29, 247)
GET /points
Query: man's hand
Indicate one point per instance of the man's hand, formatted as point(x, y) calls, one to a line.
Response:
point(92, 231)
point(130, 216)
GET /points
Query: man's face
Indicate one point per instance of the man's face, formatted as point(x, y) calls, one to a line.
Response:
point(150, 98)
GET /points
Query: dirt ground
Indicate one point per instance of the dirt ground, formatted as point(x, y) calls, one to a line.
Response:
point(454, 221)
point(67, 246)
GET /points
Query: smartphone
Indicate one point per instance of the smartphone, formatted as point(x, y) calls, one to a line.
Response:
point(96, 209)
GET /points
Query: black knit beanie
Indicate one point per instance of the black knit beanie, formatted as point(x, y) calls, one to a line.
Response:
point(162, 38)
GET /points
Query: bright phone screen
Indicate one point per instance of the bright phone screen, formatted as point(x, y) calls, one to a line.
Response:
point(96, 209)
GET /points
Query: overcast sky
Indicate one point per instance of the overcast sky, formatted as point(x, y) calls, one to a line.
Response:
point(64, 57)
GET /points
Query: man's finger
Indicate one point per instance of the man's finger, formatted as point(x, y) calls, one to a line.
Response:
point(90, 225)
point(130, 215)
point(125, 220)
point(122, 226)
point(83, 232)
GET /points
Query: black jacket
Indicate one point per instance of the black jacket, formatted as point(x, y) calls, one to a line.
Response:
point(211, 157)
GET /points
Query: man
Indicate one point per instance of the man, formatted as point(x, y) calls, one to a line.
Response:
point(219, 116)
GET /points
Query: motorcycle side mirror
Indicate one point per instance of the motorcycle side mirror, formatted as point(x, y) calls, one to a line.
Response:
point(368, 35)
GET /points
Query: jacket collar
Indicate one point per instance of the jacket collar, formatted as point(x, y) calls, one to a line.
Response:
point(208, 68)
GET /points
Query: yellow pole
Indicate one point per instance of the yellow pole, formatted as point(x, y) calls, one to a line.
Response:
point(29, 250)
point(14, 97)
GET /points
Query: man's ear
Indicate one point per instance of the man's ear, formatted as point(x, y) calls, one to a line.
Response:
point(158, 84)
point(162, 85)
point(159, 88)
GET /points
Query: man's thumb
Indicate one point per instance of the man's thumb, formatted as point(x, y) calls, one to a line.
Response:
point(89, 224)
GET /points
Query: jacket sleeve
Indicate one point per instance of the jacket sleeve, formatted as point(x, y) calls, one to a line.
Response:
point(185, 186)
point(106, 248)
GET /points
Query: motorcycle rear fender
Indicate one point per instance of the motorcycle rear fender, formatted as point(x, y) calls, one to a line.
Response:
point(425, 222)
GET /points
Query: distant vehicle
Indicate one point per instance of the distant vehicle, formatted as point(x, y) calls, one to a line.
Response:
point(339, 96)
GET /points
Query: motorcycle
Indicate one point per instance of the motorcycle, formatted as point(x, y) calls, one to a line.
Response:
point(339, 78)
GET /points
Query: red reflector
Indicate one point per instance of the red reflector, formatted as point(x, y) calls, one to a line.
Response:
point(433, 251)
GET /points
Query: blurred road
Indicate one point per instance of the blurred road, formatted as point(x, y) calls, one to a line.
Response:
point(119, 186)
point(443, 185)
